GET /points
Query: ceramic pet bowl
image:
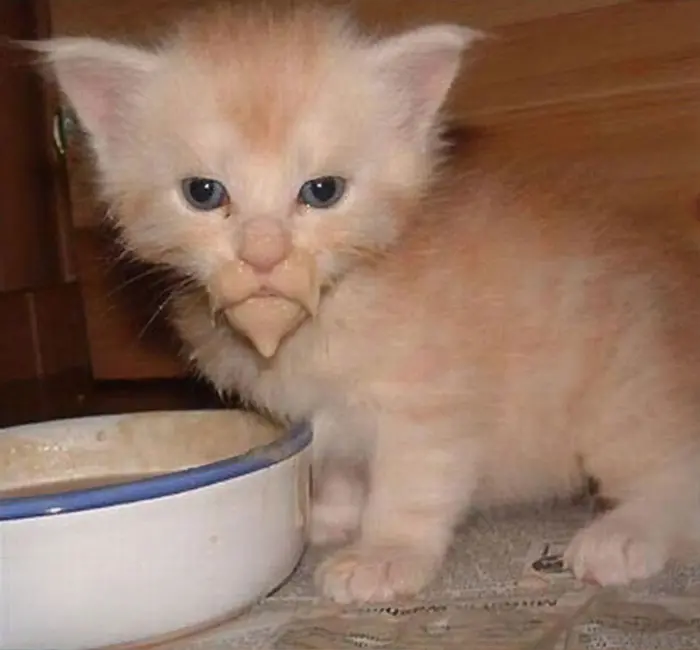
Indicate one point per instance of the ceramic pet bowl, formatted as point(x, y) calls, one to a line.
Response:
point(128, 529)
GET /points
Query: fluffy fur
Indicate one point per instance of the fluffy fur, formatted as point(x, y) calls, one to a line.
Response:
point(477, 343)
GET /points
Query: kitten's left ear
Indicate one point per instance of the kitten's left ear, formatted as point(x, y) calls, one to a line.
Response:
point(418, 68)
point(100, 79)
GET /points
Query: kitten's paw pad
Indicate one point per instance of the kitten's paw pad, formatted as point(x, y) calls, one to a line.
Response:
point(613, 552)
point(332, 524)
point(364, 574)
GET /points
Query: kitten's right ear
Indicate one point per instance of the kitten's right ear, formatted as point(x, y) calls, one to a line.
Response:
point(100, 79)
point(418, 68)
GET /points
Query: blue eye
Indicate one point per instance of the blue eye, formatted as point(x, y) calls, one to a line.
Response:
point(322, 192)
point(204, 194)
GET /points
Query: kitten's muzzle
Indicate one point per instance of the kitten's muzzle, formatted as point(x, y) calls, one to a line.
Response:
point(266, 307)
point(295, 279)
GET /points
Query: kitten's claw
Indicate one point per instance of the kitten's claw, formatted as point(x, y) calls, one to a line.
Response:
point(363, 574)
point(613, 551)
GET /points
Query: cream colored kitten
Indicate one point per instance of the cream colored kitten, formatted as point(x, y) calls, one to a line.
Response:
point(474, 343)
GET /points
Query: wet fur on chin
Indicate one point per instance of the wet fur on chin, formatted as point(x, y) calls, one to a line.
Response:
point(479, 341)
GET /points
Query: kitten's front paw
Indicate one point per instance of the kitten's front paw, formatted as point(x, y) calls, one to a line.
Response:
point(612, 551)
point(363, 574)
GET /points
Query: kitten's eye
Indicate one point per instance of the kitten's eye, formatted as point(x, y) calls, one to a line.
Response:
point(204, 193)
point(322, 192)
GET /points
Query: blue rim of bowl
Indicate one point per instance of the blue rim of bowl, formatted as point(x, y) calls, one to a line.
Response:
point(294, 440)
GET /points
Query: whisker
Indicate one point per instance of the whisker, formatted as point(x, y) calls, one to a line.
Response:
point(136, 278)
point(156, 313)
point(183, 284)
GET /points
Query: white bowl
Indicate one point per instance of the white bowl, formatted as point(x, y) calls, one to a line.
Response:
point(156, 557)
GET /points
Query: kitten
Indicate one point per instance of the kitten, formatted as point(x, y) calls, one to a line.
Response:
point(472, 342)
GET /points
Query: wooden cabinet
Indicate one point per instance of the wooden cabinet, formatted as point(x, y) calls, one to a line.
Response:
point(41, 310)
point(610, 84)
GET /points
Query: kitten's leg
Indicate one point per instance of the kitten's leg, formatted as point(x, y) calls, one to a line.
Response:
point(337, 500)
point(339, 478)
point(422, 476)
point(635, 540)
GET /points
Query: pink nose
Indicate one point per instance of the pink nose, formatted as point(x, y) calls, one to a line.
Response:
point(263, 244)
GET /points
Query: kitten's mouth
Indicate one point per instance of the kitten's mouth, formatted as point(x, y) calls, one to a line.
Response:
point(262, 292)
point(265, 292)
point(267, 309)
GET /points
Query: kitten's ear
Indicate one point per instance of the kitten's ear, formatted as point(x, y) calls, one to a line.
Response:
point(419, 67)
point(100, 79)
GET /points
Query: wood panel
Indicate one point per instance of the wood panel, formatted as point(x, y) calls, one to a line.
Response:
point(132, 19)
point(610, 50)
point(644, 139)
point(42, 333)
point(17, 338)
point(490, 15)
point(71, 396)
point(127, 333)
point(28, 255)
